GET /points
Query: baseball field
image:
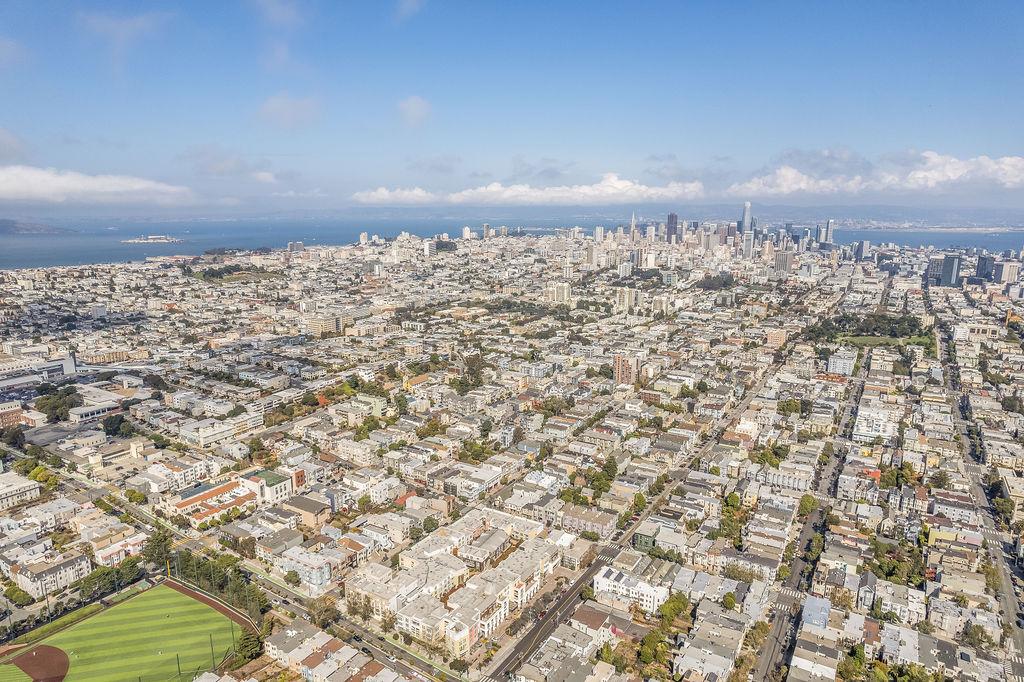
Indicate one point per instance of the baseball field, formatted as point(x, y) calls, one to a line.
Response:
point(166, 633)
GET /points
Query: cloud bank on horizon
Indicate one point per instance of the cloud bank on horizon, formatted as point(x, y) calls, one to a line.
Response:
point(930, 171)
point(27, 184)
point(924, 172)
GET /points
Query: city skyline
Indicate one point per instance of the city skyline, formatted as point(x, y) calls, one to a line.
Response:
point(302, 106)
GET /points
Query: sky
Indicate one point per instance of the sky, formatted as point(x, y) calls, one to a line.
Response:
point(290, 105)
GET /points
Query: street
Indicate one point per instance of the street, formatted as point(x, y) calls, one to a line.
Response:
point(790, 594)
point(568, 601)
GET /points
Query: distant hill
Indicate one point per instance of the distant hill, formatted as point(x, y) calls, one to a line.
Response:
point(8, 226)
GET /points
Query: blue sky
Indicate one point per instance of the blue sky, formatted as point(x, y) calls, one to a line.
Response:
point(279, 105)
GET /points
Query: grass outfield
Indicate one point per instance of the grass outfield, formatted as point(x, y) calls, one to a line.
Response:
point(139, 638)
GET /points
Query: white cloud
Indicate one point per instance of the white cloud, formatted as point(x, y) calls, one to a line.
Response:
point(286, 111)
point(414, 110)
point(385, 196)
point(264, 176)
point(315, 193)
point(788, 180)
point(919, 172)
point(611, 189)
point(405, 9)
point(11, 147)
point(938, 169)
point(10, 51)
point(29, 184)
point(122, 32)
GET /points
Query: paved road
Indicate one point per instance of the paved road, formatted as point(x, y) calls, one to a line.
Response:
point(559, 611)
point(998, 542)
point(790, 595)
point(568, 601)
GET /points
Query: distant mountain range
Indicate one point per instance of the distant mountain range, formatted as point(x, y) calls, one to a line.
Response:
point(8, 226)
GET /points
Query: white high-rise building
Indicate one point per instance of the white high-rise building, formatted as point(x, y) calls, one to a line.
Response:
point(560, 292)
point(1007, 271)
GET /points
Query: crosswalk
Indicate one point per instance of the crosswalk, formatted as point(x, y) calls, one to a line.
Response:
point(994, 534)
point(1008, 668)
point(791, 593)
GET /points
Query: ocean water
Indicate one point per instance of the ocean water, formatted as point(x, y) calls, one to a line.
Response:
point(102, 244)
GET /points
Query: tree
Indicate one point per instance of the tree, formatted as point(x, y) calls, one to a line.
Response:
point(852, 665)
point(364, 503)
point(757, 635)
point(249, 646)
point(158, 547)
point(18, 596)
point(415, 533)
point(610, 467)
point(387, 623)
point(292, 578)
point(639, 502)
point(128, 571)
point(587, 593)
point(808, 504)
point(430, 524)
point(14, 436)
point(1004, 508)
point(322, 611)
point(940, 479)
point(729, 601)
point(459, 665)
point(814, 551)
point(117, 425)
point(975, 636)
point(57, 406)
point(673, 607)
point(155, 381)
point(135, 497)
